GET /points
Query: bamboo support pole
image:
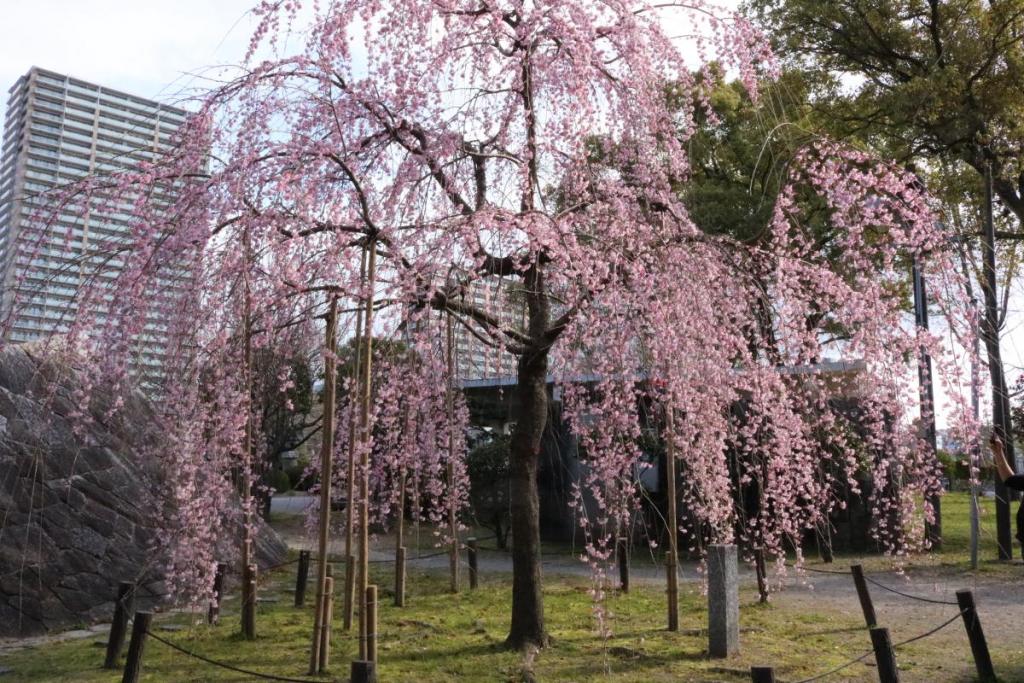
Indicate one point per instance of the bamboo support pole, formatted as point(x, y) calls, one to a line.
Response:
point(326, 448)
point(453, 528)
point(328, 615)
point(363, 568)
point(248, 600)
point(672, 559)
point(348, 599)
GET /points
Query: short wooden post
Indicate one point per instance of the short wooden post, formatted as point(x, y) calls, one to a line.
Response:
point(979, 648)
point(363, 672)
point(213, 613)
point(672, 575)
point(348, 598)
point(762, 674)
point(302, 578)
point(471, 544)
point(866, 605)
point(885, 658)
point(325, 631)
point(249, 608)
point(622, 552)
point(119, 624)
point(400, 577)
point(371, 623)
point(762, 575)
point(136, 646)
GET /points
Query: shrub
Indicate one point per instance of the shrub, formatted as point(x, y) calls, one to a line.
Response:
point(280, 481)
point(488, 469)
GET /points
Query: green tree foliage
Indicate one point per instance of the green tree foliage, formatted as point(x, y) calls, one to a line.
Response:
point(384, 350)
point(488, 467)
point(923, 79)
point(740, 155)
point(286, 401)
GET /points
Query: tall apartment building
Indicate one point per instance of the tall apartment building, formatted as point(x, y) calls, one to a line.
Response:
point(473, 358)
point(58, 130)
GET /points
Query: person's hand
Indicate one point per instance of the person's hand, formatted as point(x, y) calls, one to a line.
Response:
point(995, 443)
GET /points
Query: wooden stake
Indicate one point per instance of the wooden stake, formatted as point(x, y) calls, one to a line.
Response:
point(866, 605)
point(249, 609)
point(248, 605)
point(762, 674)
point(400, 577)
point(363, 672)
point(348, 604)
point(672, 578)
point(363, 569)
point(350, 587)
point(119, 624)
point(473, 570)
point(976, 636)
point(885, 658)
point(453, 527)
point(400, 537)
point(672, 560)
point(136, 647)
point(326, 449)
point(325, 631)
point(371, 623)
point(302, 578)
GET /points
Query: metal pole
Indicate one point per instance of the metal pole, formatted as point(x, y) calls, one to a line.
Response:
point(933, 530)
point(975, 451)
point(1000, 400)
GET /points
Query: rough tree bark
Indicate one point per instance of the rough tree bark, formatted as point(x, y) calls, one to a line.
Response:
point(531, 415)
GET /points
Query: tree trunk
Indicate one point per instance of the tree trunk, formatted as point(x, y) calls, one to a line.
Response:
point(531, 417)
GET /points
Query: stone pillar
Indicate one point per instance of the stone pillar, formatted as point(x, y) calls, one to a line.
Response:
point(723, 601)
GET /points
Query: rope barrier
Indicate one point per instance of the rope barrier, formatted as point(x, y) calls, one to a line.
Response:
point(816, 570)
point(387, 560)
point(229, 667)
point(908, 595)
point(867, 654)
point(837, 669)
point(877, 583)
point(931, 632)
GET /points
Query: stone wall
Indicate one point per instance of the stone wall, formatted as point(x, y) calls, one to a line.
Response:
point(78, 512)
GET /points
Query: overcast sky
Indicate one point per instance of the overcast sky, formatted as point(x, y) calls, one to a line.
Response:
point(145, 47)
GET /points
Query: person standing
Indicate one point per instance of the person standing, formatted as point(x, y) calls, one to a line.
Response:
point(1009, 478)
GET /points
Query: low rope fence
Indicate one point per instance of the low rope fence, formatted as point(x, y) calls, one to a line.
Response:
point(223, 665)
point(882, 648)
point(908, 595)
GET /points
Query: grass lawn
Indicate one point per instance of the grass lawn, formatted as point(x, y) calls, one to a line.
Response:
point(443, 637)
